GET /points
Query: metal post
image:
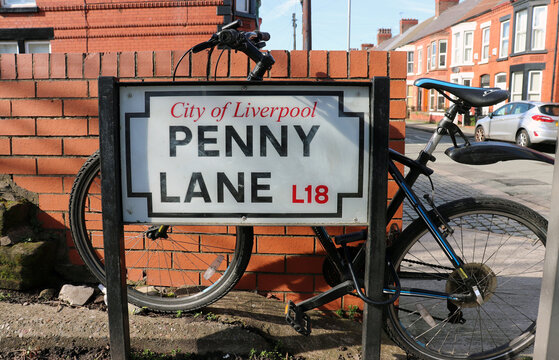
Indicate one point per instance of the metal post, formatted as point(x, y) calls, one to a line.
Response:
point(376, 241)
point(111, 202)
point(547, 346)
point(294, 21)
point(348, 24)
point(307, 25)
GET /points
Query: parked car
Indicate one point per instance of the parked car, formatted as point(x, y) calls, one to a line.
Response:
point(523, 122)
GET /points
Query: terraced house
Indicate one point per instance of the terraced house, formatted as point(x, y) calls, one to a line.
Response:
point(509, 44)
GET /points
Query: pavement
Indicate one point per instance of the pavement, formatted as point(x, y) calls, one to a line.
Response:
point(241, 322)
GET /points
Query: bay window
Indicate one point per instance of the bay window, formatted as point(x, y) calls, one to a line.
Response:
point(442, 53)
point(468, 46)
point(419, 61)
point(485, 44)
point(433, 55)
point(410, 62)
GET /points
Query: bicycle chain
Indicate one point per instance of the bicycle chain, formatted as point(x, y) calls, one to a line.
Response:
point(430, 265)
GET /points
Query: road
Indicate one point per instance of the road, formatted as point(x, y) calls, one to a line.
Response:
point(527, 182)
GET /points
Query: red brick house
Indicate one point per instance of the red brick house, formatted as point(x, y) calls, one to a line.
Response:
point(511, 44)
point(34, 26)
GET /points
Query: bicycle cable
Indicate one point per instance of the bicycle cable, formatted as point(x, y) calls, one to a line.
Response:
point(179, 62)
point(217, 63)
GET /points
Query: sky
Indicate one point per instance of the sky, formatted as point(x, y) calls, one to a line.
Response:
point(329, 21)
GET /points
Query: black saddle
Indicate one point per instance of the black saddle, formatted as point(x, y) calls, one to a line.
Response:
point(475, 97)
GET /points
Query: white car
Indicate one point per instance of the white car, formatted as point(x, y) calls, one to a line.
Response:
point(523, 122)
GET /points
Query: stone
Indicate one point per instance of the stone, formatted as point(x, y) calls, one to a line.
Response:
point(134, 310)
point(5, 241)
point(14, 215)
point(26, 265)
point(76, 295)
point(47, 294)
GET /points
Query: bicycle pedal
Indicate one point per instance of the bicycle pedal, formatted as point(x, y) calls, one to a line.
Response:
point(297, 319)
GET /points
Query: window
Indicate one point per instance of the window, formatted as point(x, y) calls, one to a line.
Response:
point(37, 47)
point(501, 81)
point(18, 3)
point(534, 85)
point(433, 55)
point(468, 46)
point(409, 96)
point(457, 59)
point(485, 44)
point(440, 102)
point(419, 99)
point(428, 57)
point(242, 6)
point(484, 81)
point(410, 62)
point(504, 43)
point(505, 110)
point(539, 18)
point(516, 87)
point(419, 61)
point(442, 53)
point(432, 100)
point(521, 25)
point(8, 47)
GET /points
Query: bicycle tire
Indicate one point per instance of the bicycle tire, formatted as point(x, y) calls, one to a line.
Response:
point(503, 246)
point(192, 268)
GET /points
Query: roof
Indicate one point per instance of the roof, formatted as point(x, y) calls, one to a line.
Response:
point(461, 12)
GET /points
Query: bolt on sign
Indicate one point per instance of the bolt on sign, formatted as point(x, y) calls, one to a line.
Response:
point(230, 153)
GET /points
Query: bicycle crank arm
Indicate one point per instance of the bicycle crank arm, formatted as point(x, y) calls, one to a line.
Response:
point(324, 298)
point(427, 294)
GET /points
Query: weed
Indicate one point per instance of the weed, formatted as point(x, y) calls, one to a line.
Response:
point(197, 314)
point(179, 313)
point(211, 316)
point(4, 296)
point(352, 311)
point(340, 313)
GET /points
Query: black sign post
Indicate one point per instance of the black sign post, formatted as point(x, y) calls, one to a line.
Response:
point(111, 202)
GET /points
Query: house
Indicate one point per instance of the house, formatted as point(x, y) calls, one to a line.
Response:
point(509, 44)
point(63, 26)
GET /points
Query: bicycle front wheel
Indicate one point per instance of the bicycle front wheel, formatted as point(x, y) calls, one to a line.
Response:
point(502, 244)
point(184, 268)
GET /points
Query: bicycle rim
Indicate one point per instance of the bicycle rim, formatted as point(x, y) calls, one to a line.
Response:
point(503, 246)
point(190, 268)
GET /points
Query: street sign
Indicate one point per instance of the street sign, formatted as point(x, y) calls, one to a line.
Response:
point(230, 153)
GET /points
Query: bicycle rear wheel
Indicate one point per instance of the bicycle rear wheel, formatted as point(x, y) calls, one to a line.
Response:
point(187, 268)
point(503, 245)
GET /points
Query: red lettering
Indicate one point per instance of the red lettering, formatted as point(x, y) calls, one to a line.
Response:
point(294, 197)
point(173, 110)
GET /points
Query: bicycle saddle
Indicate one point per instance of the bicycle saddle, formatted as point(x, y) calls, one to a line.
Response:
point(476, 97)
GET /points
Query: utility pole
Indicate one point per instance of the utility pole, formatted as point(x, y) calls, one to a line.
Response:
point(348, 24)
point(307, 28)
point(294, 20)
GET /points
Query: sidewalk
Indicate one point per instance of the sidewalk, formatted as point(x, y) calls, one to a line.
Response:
point(429, 127)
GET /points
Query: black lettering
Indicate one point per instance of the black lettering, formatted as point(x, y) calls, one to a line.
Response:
point(306, 139)
point(238, 193)
point(255, 187)
point(265, 133)
point(203, 140)
point(163, 187)
point(231, 134)
point(203, 193)
point(173, 142)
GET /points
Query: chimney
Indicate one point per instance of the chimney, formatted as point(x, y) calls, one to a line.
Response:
point(383, 35)
point(443, 5)
point(367, 46)
point(405, 24)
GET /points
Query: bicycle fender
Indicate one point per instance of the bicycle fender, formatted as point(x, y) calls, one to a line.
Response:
point(490, 152)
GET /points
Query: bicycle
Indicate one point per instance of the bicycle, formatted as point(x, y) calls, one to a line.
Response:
point(447, 272)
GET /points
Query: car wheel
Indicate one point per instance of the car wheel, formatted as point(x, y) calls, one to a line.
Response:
point(480, 134)
point(523, 139)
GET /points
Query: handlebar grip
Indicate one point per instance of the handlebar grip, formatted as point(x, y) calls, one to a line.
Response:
point(262, 36)
point(201, 46)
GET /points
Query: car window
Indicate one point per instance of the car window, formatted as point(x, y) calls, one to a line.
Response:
point(504, 110)
point(551, 110)
point(521, 108)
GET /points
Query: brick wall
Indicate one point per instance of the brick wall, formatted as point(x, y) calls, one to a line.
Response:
point(49, 125)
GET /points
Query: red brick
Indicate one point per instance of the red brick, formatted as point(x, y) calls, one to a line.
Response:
point(18, 89)
point(247, 282)
point(75, 66)
point(36, 108)
point(91, 66)
point(59, 166)
point(199, 64)
point(398, 145)
point(267, 263)
point(223, 66)
point(184, 66)
point(397, 129)
point(93, 86)
point(61, 127)
point(280, 282)
point(397, 89)
point(144, 63)
point(5, 108)
point(36, 146)
point(62, 89)
point(127, 64)
point(318, 63)
point(5, 148)
point(24, 66)
point(299, 63)
point(109, 64)
point(285, 245)
point(57, 66)
point(269, 230)
point(17, 127)
point(93, 126)
point(338, 64)
point(40, 184)
point(398, 64)
point(86, 107)
point(239, 64)
point(358, 67)
point(163, 63)
point(378, 63)
point(7, 66)
point(280, 68)
point(51, 220)
point(51, 202)
point(13, 165)
point(74, 257)
point(398, 109)
point(304, 264)
point(80, 146)
point(41, 66)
